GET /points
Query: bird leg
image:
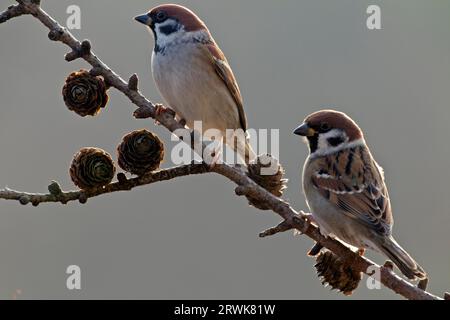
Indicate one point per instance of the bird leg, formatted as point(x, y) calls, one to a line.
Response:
point(315, 250)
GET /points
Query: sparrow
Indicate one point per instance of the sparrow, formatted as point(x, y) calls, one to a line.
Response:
point(345, 188)
point(194, 76)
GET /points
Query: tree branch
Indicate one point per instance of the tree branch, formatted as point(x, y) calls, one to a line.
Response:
point(246, 186)
point(123, 184)
point(11, 12)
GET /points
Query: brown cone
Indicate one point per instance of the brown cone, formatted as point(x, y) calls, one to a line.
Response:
point(92, 167)
point(140, 152)
point(274, 183)
point(84, 94)
point(336, 274)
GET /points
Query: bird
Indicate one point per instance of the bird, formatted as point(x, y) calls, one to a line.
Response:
point(194, 77)
point(345, 188)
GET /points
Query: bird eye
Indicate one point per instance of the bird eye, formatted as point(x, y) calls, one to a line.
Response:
point(161, 16)
point(324, 126)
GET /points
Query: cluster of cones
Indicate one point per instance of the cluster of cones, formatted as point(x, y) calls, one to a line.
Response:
point(141, 152)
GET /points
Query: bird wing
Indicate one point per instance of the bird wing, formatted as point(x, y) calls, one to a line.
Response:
point(351, 180)
point(224, 71)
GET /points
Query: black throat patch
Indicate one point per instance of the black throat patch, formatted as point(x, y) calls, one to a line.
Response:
point(313, 143)
point(165, 30)
point(170, 28)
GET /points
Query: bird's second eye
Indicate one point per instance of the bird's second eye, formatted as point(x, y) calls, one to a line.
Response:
point(324, 126)
point(161, 16)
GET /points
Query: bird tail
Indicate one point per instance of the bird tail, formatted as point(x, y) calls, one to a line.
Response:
point(402, 259)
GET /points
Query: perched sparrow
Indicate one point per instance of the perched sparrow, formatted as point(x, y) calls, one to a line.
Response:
point(193, 75)
point(345, 188)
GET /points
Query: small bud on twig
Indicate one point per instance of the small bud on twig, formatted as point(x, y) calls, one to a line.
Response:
point(133, 82)
point(143, 113)
point(24, 200)
point(54, 188)
point(55, 34)
point(82, 198)
point(85, 48)
point(72, 55)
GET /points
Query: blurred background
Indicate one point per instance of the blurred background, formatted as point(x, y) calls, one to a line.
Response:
point(192, 238)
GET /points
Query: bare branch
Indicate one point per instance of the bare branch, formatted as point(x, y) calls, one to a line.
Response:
point(146, 109)
point(123, 184)
point(11, 12)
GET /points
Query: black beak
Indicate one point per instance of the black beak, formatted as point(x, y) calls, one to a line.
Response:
point(144, 19)
point(304, 130)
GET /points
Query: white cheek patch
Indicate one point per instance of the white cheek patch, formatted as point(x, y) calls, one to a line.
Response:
point(164, 39)
point(334, 133)
point(330, 150)
point(324, 148)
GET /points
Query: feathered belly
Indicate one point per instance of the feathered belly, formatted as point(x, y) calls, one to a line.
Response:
point(195, 91)
point(334, 223)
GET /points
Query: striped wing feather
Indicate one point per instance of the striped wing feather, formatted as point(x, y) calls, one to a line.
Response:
point(353, 181)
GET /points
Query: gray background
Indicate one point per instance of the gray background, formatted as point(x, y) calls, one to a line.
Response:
point(192, 237)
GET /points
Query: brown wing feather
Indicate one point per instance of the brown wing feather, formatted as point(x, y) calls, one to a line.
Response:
point(353, 181)
point(224, 71)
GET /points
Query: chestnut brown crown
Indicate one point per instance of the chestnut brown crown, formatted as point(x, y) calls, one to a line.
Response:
point(186, 17)
point(332, 119)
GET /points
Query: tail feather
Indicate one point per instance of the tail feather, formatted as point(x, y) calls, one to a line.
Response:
point(244, 150)
point(402, 259)
point(249, 154)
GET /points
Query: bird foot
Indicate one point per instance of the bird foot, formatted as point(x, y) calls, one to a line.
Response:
point(309, 218)
point(361, 251)
point(315, 250)
point(182, 122)
point(160, 109)
point(308, 221)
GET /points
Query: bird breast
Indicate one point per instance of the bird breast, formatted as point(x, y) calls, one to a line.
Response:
point(188, 82)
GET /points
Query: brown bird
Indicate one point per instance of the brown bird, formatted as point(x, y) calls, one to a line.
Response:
point(345, 188)
point(193, 75)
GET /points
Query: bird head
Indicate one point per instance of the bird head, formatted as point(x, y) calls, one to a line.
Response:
point(328, 131)
point(172, 23)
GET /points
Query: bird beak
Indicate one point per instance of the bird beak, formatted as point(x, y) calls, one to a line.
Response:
point(304, 130)
point(144, 19)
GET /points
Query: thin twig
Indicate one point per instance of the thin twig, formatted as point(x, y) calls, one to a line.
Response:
point(12, 11)
point(147, 109)
point(123, 184)
point(281, 227)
